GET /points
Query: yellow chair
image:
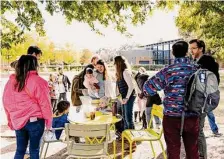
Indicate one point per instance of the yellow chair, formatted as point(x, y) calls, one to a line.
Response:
point(96, 141)
point(48, 141)
point(145, 135)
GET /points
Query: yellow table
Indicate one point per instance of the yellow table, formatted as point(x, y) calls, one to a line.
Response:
point(101, 118)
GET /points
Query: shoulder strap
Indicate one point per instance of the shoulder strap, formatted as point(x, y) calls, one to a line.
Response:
point(205, 93)
point(182, 122)
point(193, 84)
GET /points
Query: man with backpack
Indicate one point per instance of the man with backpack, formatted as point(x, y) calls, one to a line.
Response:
point(173, 80)
point(206, 62)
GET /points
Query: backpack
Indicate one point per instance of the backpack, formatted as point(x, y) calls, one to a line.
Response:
point(202, 95)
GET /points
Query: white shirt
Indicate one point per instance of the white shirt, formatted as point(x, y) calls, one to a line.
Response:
point(129, 80)
point(61, 87)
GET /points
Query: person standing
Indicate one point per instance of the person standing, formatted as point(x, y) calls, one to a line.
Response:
point(101, 73)
point(94, 60)
point(32, 50)
point(63, 84)
point(77, 86)
point(27, 105)
point(197, 48)
point(53, 86)
point(126, 89)
point(150, 100)
point(36, 52)
point(173, 80)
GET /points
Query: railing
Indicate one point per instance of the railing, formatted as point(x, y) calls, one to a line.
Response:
point(77, 68)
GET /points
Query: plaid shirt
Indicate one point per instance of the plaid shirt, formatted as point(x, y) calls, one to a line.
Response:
point(173, 80)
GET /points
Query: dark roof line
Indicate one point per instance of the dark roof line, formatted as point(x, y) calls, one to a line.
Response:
point(160, 43)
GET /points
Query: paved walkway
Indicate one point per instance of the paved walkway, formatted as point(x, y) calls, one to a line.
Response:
point(143, 151)
point(215, 145)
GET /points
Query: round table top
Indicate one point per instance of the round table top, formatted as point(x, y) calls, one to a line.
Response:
point(100, 118)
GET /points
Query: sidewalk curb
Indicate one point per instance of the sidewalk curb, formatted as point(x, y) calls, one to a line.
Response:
point(8, 136)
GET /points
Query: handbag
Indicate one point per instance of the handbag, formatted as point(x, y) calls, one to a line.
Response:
point(49, 136)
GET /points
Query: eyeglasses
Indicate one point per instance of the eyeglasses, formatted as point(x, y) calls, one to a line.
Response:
point(193, 48)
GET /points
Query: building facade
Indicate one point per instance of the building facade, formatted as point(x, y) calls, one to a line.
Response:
point(156, 53)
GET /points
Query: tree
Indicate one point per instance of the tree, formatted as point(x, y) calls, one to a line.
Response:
point(203, 20)
point(107, 54)
point(65, 57)
point(28, 15)
point(16, 50)
point(85, 57)
point(50, 54)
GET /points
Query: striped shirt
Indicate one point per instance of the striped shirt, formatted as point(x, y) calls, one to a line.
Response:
point(173, 80)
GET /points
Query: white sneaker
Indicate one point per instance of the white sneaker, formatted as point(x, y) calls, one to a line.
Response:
point(217, 134)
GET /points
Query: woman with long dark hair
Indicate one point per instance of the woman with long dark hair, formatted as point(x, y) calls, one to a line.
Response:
point(126, 89)
point(101, 75)
point(27, 105)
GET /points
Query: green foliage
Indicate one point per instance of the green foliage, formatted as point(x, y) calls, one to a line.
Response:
point(204, 20)
point(51, 55)
point(86, 56)
point(28, 15)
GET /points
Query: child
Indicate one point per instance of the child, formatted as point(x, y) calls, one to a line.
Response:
point(137, 112)
point(91, 83)
point(60, 117)
point(141, 102)
point(150, 100)
point(52, 84)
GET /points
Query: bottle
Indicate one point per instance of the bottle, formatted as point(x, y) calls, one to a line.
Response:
point(114, 108)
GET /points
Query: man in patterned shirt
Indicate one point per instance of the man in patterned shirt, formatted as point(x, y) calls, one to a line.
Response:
point(173, 80)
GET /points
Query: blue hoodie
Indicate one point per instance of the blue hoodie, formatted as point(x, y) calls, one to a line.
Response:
point(59, 121)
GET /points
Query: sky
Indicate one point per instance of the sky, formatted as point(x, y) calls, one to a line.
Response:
point(159, 26)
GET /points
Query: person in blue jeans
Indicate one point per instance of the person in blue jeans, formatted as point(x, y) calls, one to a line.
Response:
point(126, 89)
point(204, 61)
point(213, 125)
point(31, 132)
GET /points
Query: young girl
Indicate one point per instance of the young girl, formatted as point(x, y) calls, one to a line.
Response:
point(140, 101)
point(91, 83)
point(54, 94)
point(60, 117)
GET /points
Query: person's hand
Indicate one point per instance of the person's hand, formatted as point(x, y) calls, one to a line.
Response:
point(49, 129)
point(124, 101)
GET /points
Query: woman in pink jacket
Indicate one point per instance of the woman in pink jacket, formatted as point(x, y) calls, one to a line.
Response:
point(27, 105)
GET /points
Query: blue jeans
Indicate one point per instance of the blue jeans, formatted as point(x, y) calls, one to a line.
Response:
point(211, 120)
point(31, 132)
point(127, 111)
